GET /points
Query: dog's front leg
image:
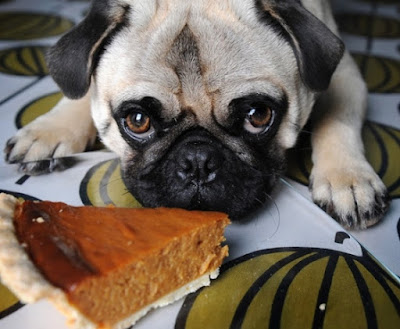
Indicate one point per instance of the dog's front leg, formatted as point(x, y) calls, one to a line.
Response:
point(342, 181)
point(68, 128)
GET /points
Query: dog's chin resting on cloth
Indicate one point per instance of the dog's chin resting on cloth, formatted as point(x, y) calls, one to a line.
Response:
point(201, 100)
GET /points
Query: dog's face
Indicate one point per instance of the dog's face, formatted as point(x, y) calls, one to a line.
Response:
point(200, 99)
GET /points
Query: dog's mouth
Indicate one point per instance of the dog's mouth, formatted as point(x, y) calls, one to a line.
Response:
point(200, 173)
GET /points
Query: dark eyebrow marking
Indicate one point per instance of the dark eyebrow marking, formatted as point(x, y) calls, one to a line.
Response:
point(184, 55)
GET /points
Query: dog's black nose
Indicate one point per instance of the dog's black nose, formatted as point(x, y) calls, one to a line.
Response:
point(198, 162)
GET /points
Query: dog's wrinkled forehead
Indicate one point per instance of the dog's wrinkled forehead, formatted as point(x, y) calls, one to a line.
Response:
point(195, 56)
point(253, 39)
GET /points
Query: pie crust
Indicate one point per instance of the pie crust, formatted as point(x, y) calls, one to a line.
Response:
point(29, 282)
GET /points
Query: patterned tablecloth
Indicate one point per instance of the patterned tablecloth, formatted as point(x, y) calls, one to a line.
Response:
point(290, 265)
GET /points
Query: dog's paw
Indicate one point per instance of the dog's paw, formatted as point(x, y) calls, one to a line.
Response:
point(355, 197)
point(38, 147)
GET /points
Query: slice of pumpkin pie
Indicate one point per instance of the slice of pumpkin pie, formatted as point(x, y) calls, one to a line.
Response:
point(106, 267)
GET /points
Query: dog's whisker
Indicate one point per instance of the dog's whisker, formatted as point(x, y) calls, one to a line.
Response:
point(259, 201)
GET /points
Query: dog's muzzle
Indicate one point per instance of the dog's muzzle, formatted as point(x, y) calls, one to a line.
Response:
point(199, 172)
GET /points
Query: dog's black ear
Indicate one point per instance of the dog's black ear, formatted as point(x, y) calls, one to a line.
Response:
point(73, 58)
point(318, 50)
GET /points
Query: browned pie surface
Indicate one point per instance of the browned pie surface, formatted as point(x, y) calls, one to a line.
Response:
point(133, 254)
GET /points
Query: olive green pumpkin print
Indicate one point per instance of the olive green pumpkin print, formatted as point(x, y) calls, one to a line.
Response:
point(381, 74)
point(8, 302)
point(30, 26)
point(37, 108)
point(369, 26)
point(103, 186)
point(291, 288)
point(24, 61)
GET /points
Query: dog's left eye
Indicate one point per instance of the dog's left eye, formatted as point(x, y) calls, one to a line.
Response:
point(139, 124)
point(258, 118)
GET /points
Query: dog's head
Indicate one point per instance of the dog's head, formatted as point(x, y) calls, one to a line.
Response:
point(200, 99)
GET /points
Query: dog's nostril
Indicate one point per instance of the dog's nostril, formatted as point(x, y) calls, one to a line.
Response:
point(198, 162)
point(213, 163)
point(186, 165)
point(184, 168)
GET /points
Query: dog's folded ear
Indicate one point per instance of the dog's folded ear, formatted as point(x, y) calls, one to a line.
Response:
point(74, 57)
point(318, 50)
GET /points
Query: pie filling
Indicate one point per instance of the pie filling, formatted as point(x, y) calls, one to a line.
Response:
point(112, 262)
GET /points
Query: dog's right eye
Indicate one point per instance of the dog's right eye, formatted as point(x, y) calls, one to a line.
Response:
point(258, 119)
point(255, 116)
point(137, 125)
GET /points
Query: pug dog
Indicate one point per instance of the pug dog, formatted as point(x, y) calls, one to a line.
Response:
point(202, 99)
